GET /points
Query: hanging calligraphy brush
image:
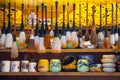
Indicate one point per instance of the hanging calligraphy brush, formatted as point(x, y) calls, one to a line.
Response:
point(93, 37)
point(68, 32)
point(106, 39)
point(41, 47)
point(116, 28)
point(74, 33)
point(37, 29)
point(63, 33)
point(56, 46)
point(47, 35)
point(117, 32)
point(87, 38)
point(51, 30)
point(14, 50)
point(3, 35)
point(80, 28)
point(31, 45)
point(100, 33)
point(9, 38)
point(22, 37)
point(112, 35)
point(32, 30)
point(28, 29)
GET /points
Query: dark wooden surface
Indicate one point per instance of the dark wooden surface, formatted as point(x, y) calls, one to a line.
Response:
point(57, 78)
point(67, 74)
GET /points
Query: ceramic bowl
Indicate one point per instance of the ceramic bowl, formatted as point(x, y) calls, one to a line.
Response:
point(109, 69)
point(108, 60)
point(109, 65)
point(110, 56)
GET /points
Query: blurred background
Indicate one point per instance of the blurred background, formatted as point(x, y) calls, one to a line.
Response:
point(33, 3)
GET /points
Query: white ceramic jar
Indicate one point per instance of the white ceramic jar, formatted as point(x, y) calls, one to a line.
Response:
point(15, 66)
point(5, 66)
point(24, 65)
point(32, 66)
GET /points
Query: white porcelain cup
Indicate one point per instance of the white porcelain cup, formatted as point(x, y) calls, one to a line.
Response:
point(24, 65)
point(32, 66)
point(15, 66)
point(5, 66)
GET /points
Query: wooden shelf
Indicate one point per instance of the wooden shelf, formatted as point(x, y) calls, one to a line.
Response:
point(58, 74)
point(66, 50)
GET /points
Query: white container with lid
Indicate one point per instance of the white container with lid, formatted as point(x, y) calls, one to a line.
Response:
point(5, 66)
point(15, 66)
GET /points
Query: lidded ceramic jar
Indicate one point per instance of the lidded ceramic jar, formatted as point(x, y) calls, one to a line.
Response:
point(5, 66)
point(69, 63)
point(15, 66)
point(82, 65)
point(43, 65)
point(55, 65)
point(25, 64)
point(32, 66)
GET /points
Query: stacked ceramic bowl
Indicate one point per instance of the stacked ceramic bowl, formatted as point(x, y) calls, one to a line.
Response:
point(108, 63)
